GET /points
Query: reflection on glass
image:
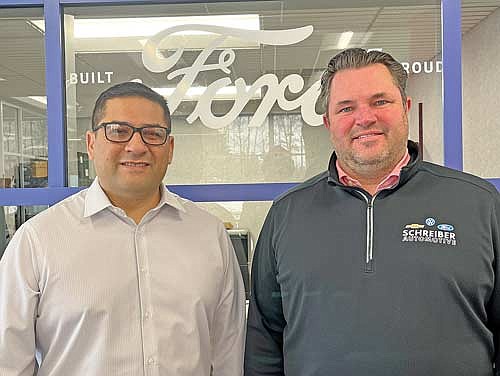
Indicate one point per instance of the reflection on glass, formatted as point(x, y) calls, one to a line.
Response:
point(24, 159)
point(23, 104)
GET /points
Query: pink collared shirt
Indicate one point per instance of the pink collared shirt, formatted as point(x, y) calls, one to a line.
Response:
point(388, 182)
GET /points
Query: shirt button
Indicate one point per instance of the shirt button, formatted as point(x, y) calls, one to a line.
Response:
point(144, 271)
point(151, 361)
point(147, 315)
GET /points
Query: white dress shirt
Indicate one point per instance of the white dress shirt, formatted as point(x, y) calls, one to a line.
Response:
point(92, 293)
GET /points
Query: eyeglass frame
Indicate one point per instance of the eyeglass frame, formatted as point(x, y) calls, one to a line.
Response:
point(134, 131)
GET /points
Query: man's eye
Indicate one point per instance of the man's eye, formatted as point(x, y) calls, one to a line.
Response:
point(345, 109)
point(381, 102)
point(118, 130)
point(157, 133)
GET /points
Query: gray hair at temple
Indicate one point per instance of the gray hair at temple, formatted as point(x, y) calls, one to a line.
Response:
point(354, 58)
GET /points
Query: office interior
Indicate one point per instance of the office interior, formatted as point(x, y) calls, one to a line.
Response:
point(260, 133)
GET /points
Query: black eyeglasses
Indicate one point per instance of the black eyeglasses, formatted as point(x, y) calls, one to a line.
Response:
point(123, 132)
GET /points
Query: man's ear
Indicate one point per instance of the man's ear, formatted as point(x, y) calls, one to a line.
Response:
point(170, 149)
point(90, 138)
point(326, 121)
point(408, 104)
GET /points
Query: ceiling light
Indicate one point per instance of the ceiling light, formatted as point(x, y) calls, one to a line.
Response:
point(148, 26)
point(41, 99)
point(344, 39)
point(195, 92)
point(2, 79)
point(34, 100)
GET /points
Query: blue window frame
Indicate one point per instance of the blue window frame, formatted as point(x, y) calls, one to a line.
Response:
point(57, 184)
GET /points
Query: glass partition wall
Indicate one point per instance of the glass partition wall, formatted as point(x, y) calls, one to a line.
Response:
point(242, 78)
point(23, 113)
point(23, 109)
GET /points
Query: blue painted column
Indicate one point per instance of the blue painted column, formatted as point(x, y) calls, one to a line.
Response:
point(451, 34)
point(54, 73)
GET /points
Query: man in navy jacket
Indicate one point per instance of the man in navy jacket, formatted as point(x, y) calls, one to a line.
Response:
point(384, 264)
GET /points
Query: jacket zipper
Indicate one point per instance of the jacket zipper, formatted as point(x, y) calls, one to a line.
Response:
point(369, 231)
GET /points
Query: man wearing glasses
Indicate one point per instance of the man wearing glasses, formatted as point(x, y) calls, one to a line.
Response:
point(123, 278)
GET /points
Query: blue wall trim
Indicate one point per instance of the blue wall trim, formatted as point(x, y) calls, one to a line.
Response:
point(132, 2)
point(34, 196)
point(199, 193)
point(452, 82)
point(19, 3)
point(55, 93)
point(231, 192)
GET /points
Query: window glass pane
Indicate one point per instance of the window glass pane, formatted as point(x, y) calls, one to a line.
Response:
point(480, 61)
point(23, 101)
point(270, 131)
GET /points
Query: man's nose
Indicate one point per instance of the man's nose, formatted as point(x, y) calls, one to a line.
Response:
point(365, 116)
point(136, 144)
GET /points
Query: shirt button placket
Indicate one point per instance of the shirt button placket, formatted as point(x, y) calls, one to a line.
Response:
point(145, 295)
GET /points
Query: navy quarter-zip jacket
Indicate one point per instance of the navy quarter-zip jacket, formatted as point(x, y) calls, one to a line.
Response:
point(403, 283)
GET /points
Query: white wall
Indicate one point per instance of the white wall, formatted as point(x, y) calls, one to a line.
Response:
point(481, 102)
point(481, 98)
point(426, 88)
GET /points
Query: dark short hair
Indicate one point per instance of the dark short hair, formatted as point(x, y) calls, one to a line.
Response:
point(354, 58)
point(128, 89)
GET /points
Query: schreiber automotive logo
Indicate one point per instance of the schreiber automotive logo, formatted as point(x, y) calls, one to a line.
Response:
point(430, 232)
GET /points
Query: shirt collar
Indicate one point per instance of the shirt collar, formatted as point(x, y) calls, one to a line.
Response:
point(389, 181)
point(97, 200)
point(171, 199)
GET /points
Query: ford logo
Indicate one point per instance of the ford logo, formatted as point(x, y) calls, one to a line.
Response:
point(445, 227)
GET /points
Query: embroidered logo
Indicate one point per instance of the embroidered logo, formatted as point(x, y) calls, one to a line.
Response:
point(442, 233)
point(430, 221)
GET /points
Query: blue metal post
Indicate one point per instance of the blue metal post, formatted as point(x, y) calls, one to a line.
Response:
point(452, 82)
point(54, 71)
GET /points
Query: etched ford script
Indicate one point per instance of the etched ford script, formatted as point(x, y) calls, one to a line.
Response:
point(276, 90)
